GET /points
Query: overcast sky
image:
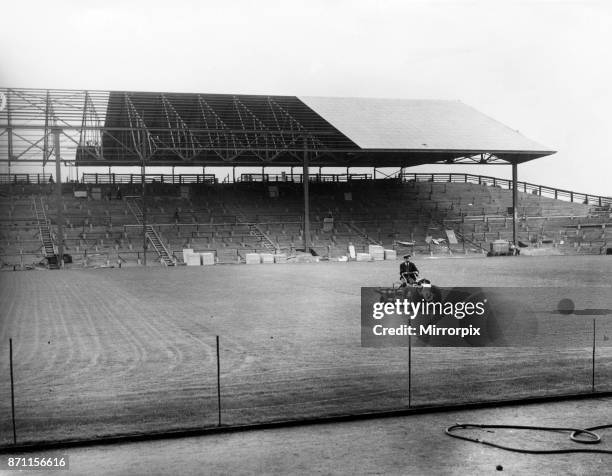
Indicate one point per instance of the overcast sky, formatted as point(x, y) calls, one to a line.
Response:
point(542, 67)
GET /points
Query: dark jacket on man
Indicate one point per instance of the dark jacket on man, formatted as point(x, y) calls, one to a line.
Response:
point(409, 271)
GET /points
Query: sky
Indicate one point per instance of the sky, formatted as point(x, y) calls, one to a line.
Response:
point(541, 67)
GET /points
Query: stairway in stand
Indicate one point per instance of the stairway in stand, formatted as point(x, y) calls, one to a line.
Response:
point(45, 233)
point(264, 239)
point(361, 233)
point(151, 233)
point(255, 230)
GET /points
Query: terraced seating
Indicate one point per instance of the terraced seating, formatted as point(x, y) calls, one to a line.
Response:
point(222, 217)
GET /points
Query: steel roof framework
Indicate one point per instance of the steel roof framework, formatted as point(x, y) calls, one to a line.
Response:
point(102, 128)
point(123, 128)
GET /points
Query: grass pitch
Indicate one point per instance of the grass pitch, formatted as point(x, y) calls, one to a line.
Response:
point(114, 351)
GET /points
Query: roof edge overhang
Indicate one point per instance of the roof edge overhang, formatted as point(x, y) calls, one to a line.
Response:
point(356, 157)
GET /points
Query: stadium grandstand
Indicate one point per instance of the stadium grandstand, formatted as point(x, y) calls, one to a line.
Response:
point(303, 213)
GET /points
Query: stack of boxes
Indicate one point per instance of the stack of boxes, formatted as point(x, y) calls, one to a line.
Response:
point(280, 258)
point(267, 258)
point(191, 258)
point(376, 252)
point(252, 258)
point(364, 257)
point(390, 254)
point(208, 259)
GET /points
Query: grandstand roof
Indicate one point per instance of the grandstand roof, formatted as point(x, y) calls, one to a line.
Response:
point(402, 124)
point(125, 128)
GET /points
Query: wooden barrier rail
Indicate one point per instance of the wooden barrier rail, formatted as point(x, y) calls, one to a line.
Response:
point(25, 179)
point(297, 178)
point(526, 187)
point(101, 179)
point(539, 190)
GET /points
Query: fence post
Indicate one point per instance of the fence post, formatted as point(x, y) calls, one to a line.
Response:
point(409, 371)
point(12, 390)
point(218, 382)
point(593, 361)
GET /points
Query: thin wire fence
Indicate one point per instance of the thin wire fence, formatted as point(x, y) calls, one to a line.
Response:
point(197, 385)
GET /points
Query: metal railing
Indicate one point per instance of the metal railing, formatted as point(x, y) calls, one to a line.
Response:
point(25, 179)
point(297, 178)
point(526, 187)
point(101, 179)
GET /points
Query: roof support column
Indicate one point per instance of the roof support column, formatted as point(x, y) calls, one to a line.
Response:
point(305, 180)
point(514, 201)
point(144, 211)
point(58, 195)
point(9, 129)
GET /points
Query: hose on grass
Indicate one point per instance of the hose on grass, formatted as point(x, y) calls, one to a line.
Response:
point(586, 436)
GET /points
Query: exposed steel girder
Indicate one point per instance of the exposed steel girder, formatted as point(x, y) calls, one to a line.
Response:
point(128, 128)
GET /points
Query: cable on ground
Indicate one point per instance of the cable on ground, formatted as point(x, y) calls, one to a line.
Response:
point(586, 436)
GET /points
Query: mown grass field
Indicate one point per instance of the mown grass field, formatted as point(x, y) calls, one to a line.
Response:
point(115, 351)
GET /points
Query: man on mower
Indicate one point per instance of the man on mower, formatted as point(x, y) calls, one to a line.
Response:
point(408, 272)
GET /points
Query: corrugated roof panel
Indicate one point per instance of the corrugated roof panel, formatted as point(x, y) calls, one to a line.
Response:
point(418, 125)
